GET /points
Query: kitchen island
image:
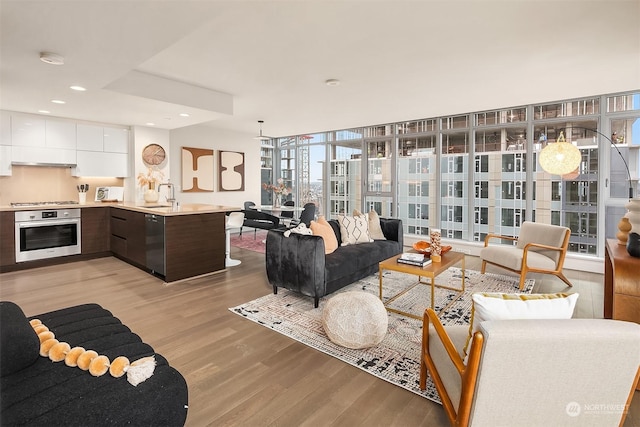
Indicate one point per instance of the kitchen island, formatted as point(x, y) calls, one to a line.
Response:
point(171, 243)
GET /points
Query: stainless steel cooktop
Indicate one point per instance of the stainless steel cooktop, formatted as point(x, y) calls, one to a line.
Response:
point(52, 203)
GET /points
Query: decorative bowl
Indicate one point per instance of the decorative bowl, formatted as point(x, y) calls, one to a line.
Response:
point(425, 248)
point(422, 247)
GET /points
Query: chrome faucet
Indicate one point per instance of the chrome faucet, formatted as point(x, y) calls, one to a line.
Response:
point(172, 194)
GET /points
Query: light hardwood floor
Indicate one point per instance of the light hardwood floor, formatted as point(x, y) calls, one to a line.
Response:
point(240, 373)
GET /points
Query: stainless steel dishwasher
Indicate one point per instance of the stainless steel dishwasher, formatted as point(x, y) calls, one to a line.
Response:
point(154, 225)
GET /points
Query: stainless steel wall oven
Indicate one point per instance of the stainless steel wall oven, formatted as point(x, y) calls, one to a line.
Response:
point(47, 234)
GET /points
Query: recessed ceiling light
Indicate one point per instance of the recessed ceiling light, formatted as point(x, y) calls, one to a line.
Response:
point(58, 101)
point(184, 115)
point(332, 82)
point(150, 124)
point(44, 111)
point(51, 58)
point(78, 88)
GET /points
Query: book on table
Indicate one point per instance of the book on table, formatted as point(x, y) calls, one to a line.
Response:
point(418, 260)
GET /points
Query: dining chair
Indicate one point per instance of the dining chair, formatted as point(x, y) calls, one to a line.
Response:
point(307, 215)
point(288, 214)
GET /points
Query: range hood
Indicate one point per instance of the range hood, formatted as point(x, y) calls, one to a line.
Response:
point(56, 165)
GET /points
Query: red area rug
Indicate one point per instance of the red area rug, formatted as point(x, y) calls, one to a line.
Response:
point(248, 242)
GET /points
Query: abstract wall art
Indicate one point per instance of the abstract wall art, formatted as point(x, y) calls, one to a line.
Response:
point(197, 170)
point(230, 171)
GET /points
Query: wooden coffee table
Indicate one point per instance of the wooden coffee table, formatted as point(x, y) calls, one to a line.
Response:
point(431, 271)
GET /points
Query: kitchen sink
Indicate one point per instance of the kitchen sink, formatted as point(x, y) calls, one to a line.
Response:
point(155, 206)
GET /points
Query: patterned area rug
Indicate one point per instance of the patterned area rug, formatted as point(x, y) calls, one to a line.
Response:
point(248, 242)
point(397, 358)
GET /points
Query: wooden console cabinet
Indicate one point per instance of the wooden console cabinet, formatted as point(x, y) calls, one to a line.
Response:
point(621, 283)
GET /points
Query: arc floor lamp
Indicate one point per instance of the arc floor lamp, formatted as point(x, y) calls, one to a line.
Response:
point(562, 157)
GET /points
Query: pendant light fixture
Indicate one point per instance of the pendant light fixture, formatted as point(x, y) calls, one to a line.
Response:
point(560, 157)
point(261, 137)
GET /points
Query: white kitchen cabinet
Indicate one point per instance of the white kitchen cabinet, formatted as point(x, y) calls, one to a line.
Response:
point(94, 163)
point(5, 128)
point(27, 130)
point(60, 134)
point(89, 137)
point(102, 151)
point(116, 140)
point(5, 160)
point(35, 139)
point(43, 155)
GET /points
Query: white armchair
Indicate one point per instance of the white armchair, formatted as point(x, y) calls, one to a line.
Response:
point(572, 372)
point(540, 248)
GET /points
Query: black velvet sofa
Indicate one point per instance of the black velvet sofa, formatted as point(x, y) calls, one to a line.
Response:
point(299, 263)
point(259, 220)
point(35, 391)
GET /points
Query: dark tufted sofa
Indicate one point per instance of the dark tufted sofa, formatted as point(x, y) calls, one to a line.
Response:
point(298, 262)
point(38, 392)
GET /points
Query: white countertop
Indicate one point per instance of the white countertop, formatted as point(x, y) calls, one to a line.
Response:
point(162, 209)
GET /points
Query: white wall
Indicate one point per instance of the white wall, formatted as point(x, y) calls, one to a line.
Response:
point(200, 136)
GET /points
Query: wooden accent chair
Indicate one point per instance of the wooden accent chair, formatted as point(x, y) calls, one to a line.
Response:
point(571, 372)
point(540, 248)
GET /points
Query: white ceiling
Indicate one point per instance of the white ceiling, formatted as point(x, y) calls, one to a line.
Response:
point(231, 63)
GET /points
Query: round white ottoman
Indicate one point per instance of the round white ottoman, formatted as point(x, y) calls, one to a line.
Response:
point(355, 319)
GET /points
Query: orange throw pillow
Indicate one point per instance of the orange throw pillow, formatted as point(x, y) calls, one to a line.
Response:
point(323, 229)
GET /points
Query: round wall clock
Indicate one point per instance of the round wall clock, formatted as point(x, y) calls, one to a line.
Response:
point(153, 154)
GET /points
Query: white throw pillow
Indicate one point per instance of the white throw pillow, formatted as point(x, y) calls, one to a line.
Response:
point(375, 230)
point(497, 306)
point(354, 229)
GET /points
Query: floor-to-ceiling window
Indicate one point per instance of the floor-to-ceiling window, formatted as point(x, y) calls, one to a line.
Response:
point(622, 123)
point(345, 172)
point(499, 172)
point(417, 161)
point(380, 170)
point(454, 173)
point(478, 173)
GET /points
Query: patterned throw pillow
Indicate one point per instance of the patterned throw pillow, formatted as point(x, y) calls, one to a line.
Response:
point(496, 306)
point(323, 229)
point(354, 229)
point(375, 230)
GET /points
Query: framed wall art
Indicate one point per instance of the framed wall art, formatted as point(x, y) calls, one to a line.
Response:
point(197, 170)
point(230, 171)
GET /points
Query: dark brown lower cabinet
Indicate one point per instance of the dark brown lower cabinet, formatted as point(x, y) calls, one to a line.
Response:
point(7, 239)
point(95, 230)
point(193, 243)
